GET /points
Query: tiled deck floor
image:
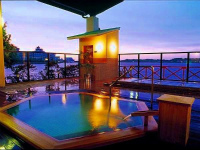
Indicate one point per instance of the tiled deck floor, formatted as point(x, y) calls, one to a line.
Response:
point(19, 91)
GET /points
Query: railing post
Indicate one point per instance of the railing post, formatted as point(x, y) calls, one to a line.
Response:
point(79, 64)
point(28, 66)
point(138, 66)
point(119, 65)
point(188, 67)
point(161, 64)
point(48, 63)
point(65, 69)
point(152, 86)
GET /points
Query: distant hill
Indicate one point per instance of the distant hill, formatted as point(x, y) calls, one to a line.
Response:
point(70, 60)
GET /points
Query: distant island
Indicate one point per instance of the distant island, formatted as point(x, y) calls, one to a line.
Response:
point(39, 56)
point(174, 60)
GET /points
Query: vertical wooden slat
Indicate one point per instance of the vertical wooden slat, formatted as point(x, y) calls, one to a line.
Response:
point(138, 66)
point(161, 64)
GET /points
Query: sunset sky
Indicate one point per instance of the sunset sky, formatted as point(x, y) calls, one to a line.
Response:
point(146, 26)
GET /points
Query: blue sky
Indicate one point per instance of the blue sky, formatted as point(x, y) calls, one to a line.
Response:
point(146, 26)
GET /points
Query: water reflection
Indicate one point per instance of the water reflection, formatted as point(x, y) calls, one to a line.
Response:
point(16, 93)
point(114, 106)
point(136, 95)
point(29, 104)
point(13, 111)
point(64, 99)
point(131, 94)
point(105, 112)
point(87, 84)
point(49, 98)
point(98, 104)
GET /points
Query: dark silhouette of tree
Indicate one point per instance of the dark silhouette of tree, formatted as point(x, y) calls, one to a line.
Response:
point(9, 57)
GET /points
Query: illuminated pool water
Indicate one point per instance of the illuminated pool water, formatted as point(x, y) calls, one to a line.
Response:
point(66, 116)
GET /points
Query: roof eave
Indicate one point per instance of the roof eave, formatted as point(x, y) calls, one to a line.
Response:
point(93, 33)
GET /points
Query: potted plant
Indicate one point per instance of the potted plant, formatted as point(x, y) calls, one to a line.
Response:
point(88, 67)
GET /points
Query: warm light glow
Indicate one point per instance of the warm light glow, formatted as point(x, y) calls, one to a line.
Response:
point(101, 132)
point(99, 47)
point(98, 114)
point(117, 129)
point(64, 99)
point(2, 148)
point(2, 21)
point(113, 47)
point(116, 92)
point(114, 105)
point(87, 84)
point(97, 119)
point(98, 105)
point(8, 145)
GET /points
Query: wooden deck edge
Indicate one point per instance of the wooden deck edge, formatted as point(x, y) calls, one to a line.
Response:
point(103, 139)
point(26, 133)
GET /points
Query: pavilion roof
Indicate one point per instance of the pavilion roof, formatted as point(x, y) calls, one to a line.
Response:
point(92, 33)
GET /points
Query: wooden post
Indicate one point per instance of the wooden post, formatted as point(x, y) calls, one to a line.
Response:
point(174, 118)
point(2, 71)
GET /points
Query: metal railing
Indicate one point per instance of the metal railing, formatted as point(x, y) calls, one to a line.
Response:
point(114, 82)
point(21, 66)
point(176, 69)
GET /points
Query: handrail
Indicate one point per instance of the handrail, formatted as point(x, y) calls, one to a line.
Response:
point(131, 68)
point(110, 86)
point(160, 53)
point(152, 80)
